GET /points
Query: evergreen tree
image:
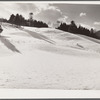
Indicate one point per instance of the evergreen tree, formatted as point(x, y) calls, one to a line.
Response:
point(12, 18)
point(63, 26)
point(17, 20)
point(20, 20)
point(72, 28)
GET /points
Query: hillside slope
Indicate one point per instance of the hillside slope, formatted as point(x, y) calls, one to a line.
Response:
point(46, 58)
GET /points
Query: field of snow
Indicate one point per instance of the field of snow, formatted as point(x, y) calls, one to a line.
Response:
point(47, 58)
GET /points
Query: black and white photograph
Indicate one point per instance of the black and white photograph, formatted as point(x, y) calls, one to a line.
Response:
point(48, 45)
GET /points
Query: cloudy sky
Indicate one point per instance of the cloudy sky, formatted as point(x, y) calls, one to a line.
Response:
point(86, 15)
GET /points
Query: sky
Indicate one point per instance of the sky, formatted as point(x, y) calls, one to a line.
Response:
point(87, 15)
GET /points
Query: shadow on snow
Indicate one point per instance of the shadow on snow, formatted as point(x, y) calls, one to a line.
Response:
point(39, 36)
point(8, 44)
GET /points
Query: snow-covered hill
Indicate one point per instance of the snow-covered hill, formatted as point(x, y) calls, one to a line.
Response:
point(47, 58)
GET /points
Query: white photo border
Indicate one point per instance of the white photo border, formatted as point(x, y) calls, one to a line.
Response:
point(48, 93)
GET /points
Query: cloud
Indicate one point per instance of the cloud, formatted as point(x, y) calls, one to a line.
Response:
point(96, 23)
point(14, 8)
point(46, 12)
point(82, 14)
point(63, 18)
point(45, 6)
point(41, 11)
point(48, 15)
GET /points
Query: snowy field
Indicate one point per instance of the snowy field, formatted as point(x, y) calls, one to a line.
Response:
point(47, 58)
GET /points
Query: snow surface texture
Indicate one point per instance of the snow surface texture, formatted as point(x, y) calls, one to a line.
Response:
point(46, 58)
